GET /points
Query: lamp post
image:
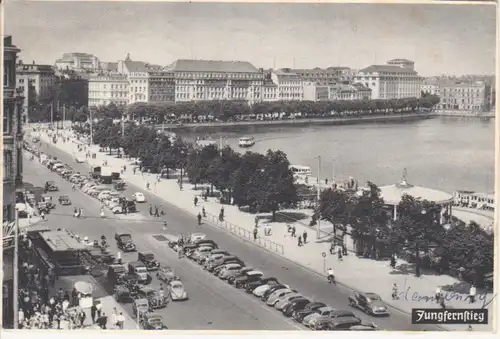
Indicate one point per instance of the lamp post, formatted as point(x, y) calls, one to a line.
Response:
point(318, 192)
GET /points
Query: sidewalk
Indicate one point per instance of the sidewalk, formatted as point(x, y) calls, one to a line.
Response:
point(361, 274)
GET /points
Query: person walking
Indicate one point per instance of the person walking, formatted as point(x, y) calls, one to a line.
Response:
point(255, 233)
point(93, 313)
point(299, 241)
point(99, 309)
point(339, 254)
point(120, 320)
point(195, 201)
point(472, 294)
point(199, 218)
point(394, 291)
point(293, 230)
point(203, 212)
point(304, 235)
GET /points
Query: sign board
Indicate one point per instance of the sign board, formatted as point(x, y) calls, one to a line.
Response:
point(323, 255)
point(8, 242)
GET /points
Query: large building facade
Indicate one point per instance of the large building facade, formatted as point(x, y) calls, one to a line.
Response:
point(12, 165)
point(82, 62)
point(42, 77)
point(395, 80)
point(290, 86)
point(464, 96)
point(105, 89)
point(199, 80)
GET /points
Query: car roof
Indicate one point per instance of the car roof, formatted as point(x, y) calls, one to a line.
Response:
point(371, 295)
point(232, 265)
point(254, 273)
point(141, 301)
point(344, 320)
point(326, 308)
point(147, 289)
point(343, 313)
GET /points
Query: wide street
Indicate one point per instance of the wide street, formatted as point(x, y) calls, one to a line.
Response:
point(213, 304)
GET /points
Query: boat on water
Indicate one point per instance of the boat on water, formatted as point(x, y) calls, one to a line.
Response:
point(205, 142)
point(246, 142)
point(300, 171)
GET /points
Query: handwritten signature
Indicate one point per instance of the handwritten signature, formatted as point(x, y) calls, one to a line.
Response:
point(408, 295)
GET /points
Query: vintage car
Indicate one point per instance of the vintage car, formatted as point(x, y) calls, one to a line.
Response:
point(200, 253)
point(138, 197)
point(64, 200)
point(152, 321)
point(124, 242)
point(206, 243)
point(261, 290)
point(119, 186)
point(165, 274)
point(177, 292)
point(140, 307)
point(115, 274)
point(294, 306)
point(370, 303)
point(51, 186)
point(318, 313)
point(198, 236)
point(229, 270)
point(336, 314)
point(153, 296)
point(335, 324)
point(228, 259)
point(122, 293)
point(283, 302)
point(273, 289)
point(248, 277)
point(43, 207)
point(148, 259)
point(251, 286)
point(310, 308)
point(48, 201)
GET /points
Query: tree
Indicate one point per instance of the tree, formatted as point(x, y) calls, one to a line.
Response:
point(417, 227)
point(199, 162)
point(333, 207)
point(272, 185)
point(369, 220)
point(221, 170)
point(470, 249)
point(251, 163)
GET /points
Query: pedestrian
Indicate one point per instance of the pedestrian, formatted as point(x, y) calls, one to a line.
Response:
point(344, 250)
point(256, 221)
point(438, 294)
point(120, 320)
point(304, 235)
point(119, 257)
point(83, 316)
point(339, 254)
point(150, 209)
point(299, 241)
point(42, 214)
point(393, 262)
point(102, 213)
point(472, 294)
point(93, 313)
point(80, 213)
point(99, 309)
point(114, 316)
point(74, 297)
point(255, 233)
point(157, 212)
point(195, 201)
point(394, 292)
point(102, 321)
point(293, 231)
point(203, 212)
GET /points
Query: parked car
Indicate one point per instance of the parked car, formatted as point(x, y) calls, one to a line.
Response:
point(206, 243)
point(294, 306)
point(64, 200)
point(48, 201)
point(140, 307)
point(201, 252)
point(282, 302)
point(122, 293)
point(261, 290)
point(156, 301)
point(148, 259)
point(229, 270)
point(336, 314)
point(241, 273)
point(273, 289)
point(51, 186)
point(320, 312)
point(370, 303)
point(251, 286)
point(166, 274)
point(139, 197)
point(335, 324)
point(276, 296)
point(153, 321)
point(177, 291)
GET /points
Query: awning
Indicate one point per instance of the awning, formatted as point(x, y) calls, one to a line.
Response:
point(36, 228)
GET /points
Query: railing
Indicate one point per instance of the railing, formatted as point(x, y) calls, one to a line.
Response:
point(246, 234)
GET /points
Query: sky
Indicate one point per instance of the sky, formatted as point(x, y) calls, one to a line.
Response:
point(440, 39)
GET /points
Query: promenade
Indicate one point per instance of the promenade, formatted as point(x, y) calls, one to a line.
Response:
point(392, 117)
point(356, 273)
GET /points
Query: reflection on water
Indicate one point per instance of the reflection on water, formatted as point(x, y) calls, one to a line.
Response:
point(447, 153)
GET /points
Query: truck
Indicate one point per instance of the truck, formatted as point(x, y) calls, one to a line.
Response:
point(138, 269)
point(124, 242)
point(106, 176)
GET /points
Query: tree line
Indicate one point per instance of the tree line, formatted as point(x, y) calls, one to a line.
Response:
point(230, 110)
point(264, 183)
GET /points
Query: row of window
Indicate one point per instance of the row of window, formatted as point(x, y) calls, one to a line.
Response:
point(219, 75)
point(8, 168)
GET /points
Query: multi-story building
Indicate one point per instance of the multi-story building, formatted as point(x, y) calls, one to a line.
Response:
point(42, 77)
point(398, 79)
point(429, 86)
point(269, 91)
point(161, 83)
point(320, 76)
point(105, 89)
point(466, 96)
point(217, 80)
point(338, 91)
point(290, 85)
point(12, 167)
point(82, 62)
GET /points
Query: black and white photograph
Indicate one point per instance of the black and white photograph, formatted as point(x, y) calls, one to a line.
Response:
point(244, 166)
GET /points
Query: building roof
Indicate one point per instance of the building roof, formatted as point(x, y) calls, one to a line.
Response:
point(60, 241)
point(386, 69)
point(213, 66)
point(111, 66)
point(400, 61)
point(34, 68)
point(136, 66)
point(392, 194)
